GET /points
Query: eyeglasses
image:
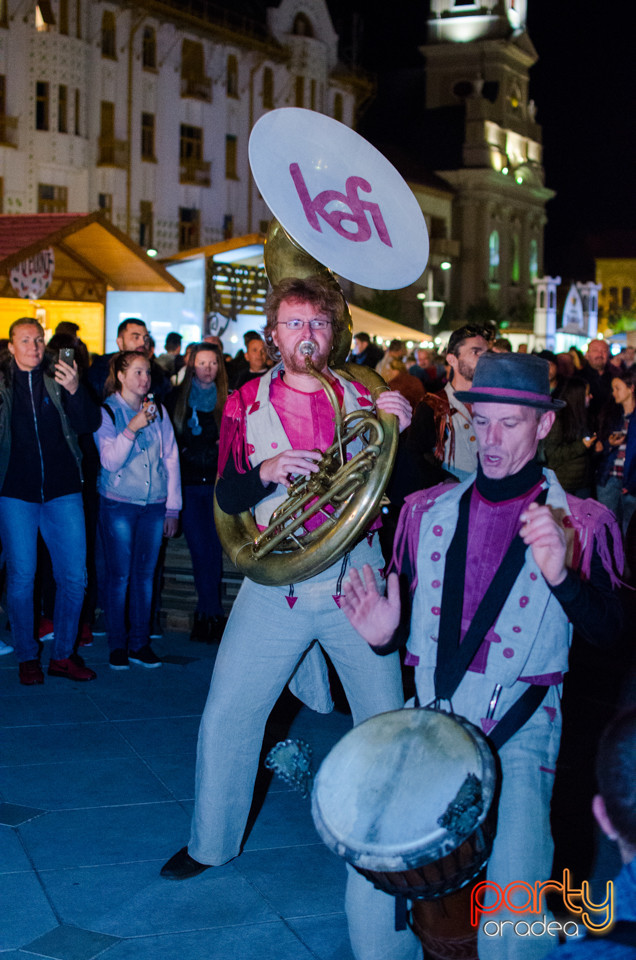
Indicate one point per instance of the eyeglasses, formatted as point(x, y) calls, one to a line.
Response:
point(299, 324)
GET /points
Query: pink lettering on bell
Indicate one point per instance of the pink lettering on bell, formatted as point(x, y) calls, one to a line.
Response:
point(336, 218)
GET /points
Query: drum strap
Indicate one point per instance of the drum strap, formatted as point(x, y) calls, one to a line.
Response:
point(453, 657)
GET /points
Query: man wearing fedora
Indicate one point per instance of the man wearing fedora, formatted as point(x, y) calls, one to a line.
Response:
point(501, 567)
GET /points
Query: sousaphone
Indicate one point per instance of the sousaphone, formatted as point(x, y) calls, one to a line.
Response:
point(340, 208)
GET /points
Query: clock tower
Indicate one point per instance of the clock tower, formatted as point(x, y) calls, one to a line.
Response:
point(478, 59)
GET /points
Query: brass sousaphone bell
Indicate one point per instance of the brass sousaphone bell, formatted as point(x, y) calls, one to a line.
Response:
point(341, 206)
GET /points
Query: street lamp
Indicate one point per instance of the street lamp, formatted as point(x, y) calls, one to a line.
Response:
point(433, 310)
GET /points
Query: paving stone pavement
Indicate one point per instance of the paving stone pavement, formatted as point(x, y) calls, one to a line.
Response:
point(96, 790)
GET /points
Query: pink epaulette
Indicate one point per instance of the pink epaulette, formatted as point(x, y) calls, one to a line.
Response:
point(234, 427)
point(407, 534)
point(595, 526)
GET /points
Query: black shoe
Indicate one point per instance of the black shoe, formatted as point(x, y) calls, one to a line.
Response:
point(119, 660)
point(144, 657)
point(216, 626)
point(182, 866)
point(200, 629)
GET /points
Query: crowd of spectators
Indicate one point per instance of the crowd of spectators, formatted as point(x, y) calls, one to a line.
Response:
point(116, 454)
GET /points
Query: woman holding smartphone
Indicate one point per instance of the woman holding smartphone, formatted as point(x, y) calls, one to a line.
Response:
point(616, 478)
point(140, 499)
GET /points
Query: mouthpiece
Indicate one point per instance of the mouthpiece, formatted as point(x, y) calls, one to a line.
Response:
point(307, 348)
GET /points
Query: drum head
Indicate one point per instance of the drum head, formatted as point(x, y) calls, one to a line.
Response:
point(403, 789)
point(339, 198)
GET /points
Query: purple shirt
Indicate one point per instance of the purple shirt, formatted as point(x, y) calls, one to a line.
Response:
point(491, 529)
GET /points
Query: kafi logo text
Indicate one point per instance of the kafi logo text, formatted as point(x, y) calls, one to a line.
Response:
point(488, 897)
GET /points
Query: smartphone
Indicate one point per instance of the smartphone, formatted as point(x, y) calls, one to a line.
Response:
point(67, 356)
point(150, 404)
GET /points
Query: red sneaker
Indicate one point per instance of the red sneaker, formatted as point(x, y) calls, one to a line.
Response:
point(31, 673)
point(86, 636)
point(72, 667)
point(45, 630)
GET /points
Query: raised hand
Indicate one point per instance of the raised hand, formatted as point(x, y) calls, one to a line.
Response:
point(541, 530)
point(375, 617)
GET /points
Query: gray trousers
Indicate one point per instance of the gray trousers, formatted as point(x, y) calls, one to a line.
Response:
point(264, 640)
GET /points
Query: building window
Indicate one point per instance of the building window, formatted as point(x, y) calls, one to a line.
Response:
point(299, 94)
point(268, 87)
point(4, 13)
point(112, 152)
point(78, 19)
point(514, 266)
point(63, 12)
point(493, 257)
point(231, 78)
point(312, 95)
point(551, 300)
point(148, 136)
point(76, 125)
point(541, 299)
point(533, 260)
point(109, 35)
point(302, 26)
point(189, 227)
point(149, 49)
point(41, 105)
point(145, 224)
point(52, 199)
point(613, 295)
point(228, 226)
point(44, 18)
point(263, 226)
point(193, 168)
point(338, 111)
point(62, 109)
point(194, 82)
point(1, 194)
point(230, 158)
point(105, 203)
point(626, 298)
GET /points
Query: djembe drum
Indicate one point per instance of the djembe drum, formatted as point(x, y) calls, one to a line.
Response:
point(407, 799)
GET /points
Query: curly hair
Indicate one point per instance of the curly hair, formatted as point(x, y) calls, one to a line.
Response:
point(324, 295)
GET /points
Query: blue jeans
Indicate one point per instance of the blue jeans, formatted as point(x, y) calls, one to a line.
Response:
point(131, 537)
point(621, 504)
point(61, 523)
point(197, 519)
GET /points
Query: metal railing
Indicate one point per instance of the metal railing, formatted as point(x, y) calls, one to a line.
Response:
point(196, 172)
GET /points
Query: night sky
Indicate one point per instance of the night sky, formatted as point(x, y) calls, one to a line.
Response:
point(584, 85)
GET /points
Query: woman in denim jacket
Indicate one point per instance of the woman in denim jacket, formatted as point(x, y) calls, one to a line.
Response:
point(140, 500)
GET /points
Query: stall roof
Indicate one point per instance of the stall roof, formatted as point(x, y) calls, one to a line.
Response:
point(88, 250)
point(377, 326)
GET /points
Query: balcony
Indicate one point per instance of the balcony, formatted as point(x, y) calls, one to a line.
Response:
point(112, 153)
point(8, 131)
point(195, 172)
point(197, 87)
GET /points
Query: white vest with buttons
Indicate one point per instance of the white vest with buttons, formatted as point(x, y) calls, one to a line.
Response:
point(532, 628)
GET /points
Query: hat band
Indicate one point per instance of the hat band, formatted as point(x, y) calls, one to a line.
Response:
point(512, 394)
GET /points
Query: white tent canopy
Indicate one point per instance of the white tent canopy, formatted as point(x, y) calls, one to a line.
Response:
point(376, 326)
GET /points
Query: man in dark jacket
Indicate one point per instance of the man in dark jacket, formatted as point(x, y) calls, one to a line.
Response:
point(132, 334)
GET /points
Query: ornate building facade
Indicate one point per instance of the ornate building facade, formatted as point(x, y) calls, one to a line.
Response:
point(486, 143)
point(144, 109)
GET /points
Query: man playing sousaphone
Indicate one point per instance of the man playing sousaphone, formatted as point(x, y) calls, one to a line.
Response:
point(501, 567)
point(273, 430)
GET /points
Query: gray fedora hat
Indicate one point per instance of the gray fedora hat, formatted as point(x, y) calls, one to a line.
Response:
point(522, 379)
